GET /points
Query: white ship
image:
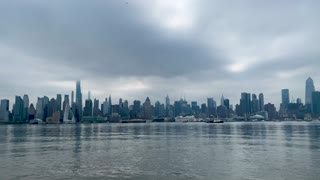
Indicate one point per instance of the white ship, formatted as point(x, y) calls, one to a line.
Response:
point(185, 119)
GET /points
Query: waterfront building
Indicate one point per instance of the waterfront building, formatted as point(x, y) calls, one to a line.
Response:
point(261, 102)
point(65, 102)
point(212, 107)
point(194, 107)
point(18, 109)
point(25, 107)
point(308, 91)
point(271, 109)
point(78, 113)
point(222, 100)
point(4, 110)
point(110, 105)
point(245, 104)
point(96, 110)
point(157, 110)
point(147, 109)
point(88, 108)
point(31, 112)
point(59, 101)
point(254, 104)
point(316, 102)
point(226, 103)
point(105, 107)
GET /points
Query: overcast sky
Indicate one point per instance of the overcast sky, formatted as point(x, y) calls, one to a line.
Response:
point(138, 48)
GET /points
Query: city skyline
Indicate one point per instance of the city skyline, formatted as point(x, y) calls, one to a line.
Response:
point(162, 100)
point(198, 49)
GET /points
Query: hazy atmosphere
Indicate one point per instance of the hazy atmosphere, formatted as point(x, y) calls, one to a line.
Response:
point(138, 48)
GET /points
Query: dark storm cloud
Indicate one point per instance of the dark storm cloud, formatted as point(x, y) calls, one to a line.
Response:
point(198, 48)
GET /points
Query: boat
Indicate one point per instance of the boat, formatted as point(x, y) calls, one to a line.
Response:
point(214, 121)
point(185, 119)
point(158, 120)
point(133, 121)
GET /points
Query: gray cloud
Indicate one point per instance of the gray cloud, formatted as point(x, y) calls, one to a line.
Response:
point(200, 49)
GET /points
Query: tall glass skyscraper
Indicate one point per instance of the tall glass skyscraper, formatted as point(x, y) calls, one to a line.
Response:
point(285, 98)
point(78, 114)
point(309, 90)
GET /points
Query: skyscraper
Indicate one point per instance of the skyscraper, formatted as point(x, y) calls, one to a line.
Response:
point(316, 102)
point(105, 106)
point(147, 109)
point(222, 100)
point(227, 103)
point(78, 114)
point(167, 101)
point(245, 104)
point(110, 105)
point(59, 101)
point(88, 108)
point(261, 102)
point(96, 107)
point(25, 101)
point(65, 102)
point(25, 106)
point(255, 104)
point(72, 97)
point(309, 90)
point(212, 105)
point(18, 109)
point(285, 97)
point(4, 110)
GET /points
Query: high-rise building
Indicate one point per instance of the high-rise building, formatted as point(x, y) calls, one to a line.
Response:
point(147, 109)
point(4, 110)
point(110, 105)
point(18, 109)
point(245, 104)
point(167, 101)
point(271, 109)
point(32, 112)
point(39, 108)
point(105, 110)
point(96, 107)
point(261, 102)
point(194, 107)
point(136, 110)
point(52, 107)
point(25, 107)
point(212, 105)
point(299, 101)
point(285, 101)
point(309, 90)
point(157, 109)
point(226, 103)
point(255, 104)
point(25, 101)
point(203, 108)
point(222, 100)
point(72, 97)
point(316, 102)
point(59, 101)
point(65, 102)
point(88, 108)
point(79, 106)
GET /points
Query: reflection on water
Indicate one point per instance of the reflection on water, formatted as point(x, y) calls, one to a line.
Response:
point(161, 151)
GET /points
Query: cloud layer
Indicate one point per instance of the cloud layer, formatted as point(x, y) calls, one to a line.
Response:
point(138, 48)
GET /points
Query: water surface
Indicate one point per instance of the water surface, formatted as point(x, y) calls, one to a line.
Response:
point(266, 150)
